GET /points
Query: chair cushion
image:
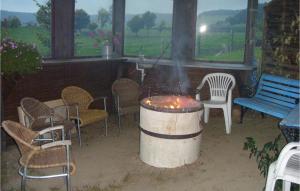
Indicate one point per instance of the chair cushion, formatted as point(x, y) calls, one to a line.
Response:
point(68, 125)
point(47, 158)
point(92, 115)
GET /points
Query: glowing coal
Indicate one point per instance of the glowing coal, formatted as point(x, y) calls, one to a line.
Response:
point(171, 103)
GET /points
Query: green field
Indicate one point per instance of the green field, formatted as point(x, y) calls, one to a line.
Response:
point(27, 35)
point(214, 46)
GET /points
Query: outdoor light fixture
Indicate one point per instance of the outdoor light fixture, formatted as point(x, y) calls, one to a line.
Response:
point(202, 28)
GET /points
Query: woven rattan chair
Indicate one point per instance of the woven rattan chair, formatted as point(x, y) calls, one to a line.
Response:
point(39, 116)
point(81, 99)
point(49, 155)
point(126, 94)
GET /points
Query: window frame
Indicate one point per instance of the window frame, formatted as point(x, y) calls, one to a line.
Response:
point(249, 33)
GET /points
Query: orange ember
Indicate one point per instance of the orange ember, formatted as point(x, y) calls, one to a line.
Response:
point(171, 102)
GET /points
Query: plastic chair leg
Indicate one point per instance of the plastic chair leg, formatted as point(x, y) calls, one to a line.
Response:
point(286, 186)
point(206, 114)
point(270, 185)
point(227, 125)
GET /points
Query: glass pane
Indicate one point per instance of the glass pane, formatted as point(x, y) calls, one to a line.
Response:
point(220, 30)
point(28, 21)
point(259, 29)
point(92, 27)
point(148, 28)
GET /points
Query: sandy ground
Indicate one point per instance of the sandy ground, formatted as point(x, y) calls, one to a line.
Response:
point(112, 163)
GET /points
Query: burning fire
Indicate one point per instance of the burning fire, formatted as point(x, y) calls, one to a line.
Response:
point(171, 102)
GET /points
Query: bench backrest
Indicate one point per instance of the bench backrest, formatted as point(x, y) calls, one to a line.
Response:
point(278, 90)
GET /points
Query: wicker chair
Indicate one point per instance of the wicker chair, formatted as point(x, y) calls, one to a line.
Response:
point(81, 99)
point(126, 97)
point(39, 116)
point(49, 155)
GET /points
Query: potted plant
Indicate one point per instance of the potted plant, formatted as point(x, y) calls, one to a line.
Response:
point(17, 59)
point(105, 40)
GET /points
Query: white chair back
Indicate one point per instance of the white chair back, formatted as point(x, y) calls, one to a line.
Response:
point(219, 83)
point(286, 168)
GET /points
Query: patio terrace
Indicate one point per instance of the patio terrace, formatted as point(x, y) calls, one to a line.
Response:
point(112, 163)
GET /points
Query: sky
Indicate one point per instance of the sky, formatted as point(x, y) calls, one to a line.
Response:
point(132, 6)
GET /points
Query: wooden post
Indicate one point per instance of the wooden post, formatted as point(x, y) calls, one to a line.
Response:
point(118, 22)
point(183, 29)
point(250, 77)
point(62, 27)
point(250, 32)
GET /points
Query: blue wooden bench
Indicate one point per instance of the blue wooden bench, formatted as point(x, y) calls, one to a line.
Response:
point(275, 96)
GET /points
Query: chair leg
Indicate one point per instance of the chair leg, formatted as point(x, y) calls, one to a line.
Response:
point(242, 114)
point(78, 134)
point(286, 185)
point(227, 124)
point(229, 116)
point(68, 184)
point(106, 126)
point(23, 181)
point(68, 181)
point(206, 114)
point(119, 122)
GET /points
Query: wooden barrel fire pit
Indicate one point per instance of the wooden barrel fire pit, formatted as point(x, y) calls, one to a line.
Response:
point(170, 133)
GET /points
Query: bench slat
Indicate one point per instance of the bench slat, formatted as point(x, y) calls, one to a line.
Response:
point(272, 100)
point(281, 92)
point(267, 107)
point(278, 97)
point(281, 80)
point(275, 95)
point(283, 87)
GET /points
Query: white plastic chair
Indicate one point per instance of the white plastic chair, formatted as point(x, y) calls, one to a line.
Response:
point(286, 168)
point(220, 85)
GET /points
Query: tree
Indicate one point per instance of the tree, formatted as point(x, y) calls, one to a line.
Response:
point(43, 15)
point(82, 19)
point(92, 26)
point(148, 20)
point(103, 17)
point(4, 23)
point(162, 26)
point(14, 22)
point(135, 24)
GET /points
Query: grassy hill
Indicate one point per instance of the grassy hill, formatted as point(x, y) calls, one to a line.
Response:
point(24, 17)
point(212, 17)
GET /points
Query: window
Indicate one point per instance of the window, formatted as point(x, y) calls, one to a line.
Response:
point(28, 21)
point(259, 29)
point(221, 30)
point(148, 28)
point(92, 27)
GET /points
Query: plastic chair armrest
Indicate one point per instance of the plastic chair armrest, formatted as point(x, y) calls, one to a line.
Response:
point(49, 129)
point(285, 150)
point(56, 143)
